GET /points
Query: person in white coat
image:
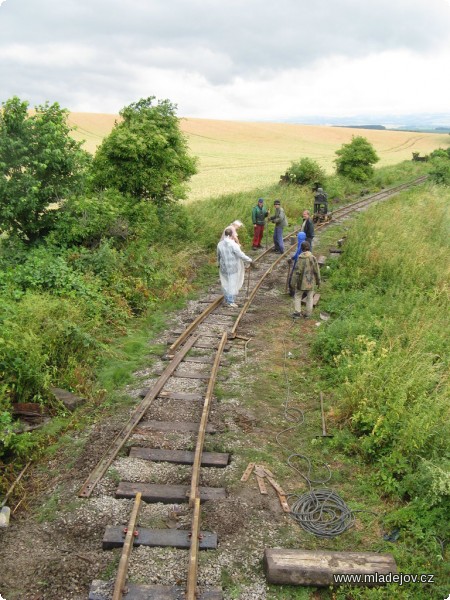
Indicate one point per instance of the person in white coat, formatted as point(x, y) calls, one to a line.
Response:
point(231, 259)
point(235, 225)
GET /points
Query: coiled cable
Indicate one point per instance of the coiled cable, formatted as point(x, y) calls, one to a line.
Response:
point(321, 512)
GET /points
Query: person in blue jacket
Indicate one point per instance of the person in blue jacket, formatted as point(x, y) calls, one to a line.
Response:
point(301, 237)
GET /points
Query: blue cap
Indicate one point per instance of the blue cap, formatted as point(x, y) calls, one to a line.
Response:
point(261, 200)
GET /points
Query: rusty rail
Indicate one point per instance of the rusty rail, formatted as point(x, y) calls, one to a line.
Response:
point(203, 422)
point(137, 415)
point(126, 550)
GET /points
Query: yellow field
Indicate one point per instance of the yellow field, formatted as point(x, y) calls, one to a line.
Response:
point(236, 156)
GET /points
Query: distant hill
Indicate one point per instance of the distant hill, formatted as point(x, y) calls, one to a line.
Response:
point(362, 126)
point(427, 122)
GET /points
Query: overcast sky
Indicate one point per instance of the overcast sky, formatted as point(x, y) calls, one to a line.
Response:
point(248, 60)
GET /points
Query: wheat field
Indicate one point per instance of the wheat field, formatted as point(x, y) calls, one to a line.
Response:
point(239, 156)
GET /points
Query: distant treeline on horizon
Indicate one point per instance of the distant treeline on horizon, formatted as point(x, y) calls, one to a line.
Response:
point(443, 129)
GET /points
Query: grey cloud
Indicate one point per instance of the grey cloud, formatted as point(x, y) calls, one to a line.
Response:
point(217, 40)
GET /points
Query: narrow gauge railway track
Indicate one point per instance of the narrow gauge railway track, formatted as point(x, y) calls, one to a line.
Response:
point(195, 355)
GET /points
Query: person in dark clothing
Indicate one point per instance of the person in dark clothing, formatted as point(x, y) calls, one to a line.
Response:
point(320, 202)
point(306, 278)
point(280, 220)
point(308, 228)
point(259, 215)
point(292, 262)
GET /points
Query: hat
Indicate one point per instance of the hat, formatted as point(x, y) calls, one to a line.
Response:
point(277, 202)
point(261, 200)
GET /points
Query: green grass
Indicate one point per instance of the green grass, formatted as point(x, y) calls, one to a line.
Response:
point(389, 291)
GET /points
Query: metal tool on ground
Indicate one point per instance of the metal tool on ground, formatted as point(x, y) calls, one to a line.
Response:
point(324, 429)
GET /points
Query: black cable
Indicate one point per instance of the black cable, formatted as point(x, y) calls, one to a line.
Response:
point(320, 511)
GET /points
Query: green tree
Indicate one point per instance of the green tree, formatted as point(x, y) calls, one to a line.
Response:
point(146, 154)
point(356, 159)
point(40, 166)
point(304, 171)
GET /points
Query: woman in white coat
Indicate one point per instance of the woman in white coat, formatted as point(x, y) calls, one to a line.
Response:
point(231, 261)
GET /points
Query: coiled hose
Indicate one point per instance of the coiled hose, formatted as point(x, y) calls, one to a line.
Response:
point(320, 511)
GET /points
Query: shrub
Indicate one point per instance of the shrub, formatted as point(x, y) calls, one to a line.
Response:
point(356, 159)
point(88, 219)
point(440, 170)
point(306, 171)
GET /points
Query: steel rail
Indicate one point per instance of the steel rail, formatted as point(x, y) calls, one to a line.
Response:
point(136, 416)
point(387, 193)
point(187, 332)
point(194, 499)
point(204, 420)
point(344, 209)
point(126, 550)
point(254, 290)
point(191, 587)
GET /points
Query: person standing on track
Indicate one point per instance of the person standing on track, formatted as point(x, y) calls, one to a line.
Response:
point(306, 277)
point(308, 228)
point(280, 220)
point(259, 215)
point(231, 259)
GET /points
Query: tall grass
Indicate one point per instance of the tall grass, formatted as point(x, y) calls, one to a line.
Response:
point(386, 351)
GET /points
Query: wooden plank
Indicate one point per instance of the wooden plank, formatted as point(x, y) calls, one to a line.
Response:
point(101, 590)
point(70, 401)
point(316, 567)
point(168, 494)
point(261, 485)
point(248, 471)
point(173, 395)
point(29, 409)
point(173, 538)
point(275, 486)
point(213, 345)
point(189, 374)
point(181, 457)
point(284, 503)
point(211, 334)
point(184, 426)
point(207, 360)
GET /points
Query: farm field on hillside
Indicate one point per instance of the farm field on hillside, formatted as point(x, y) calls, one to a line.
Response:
point(240, 156)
